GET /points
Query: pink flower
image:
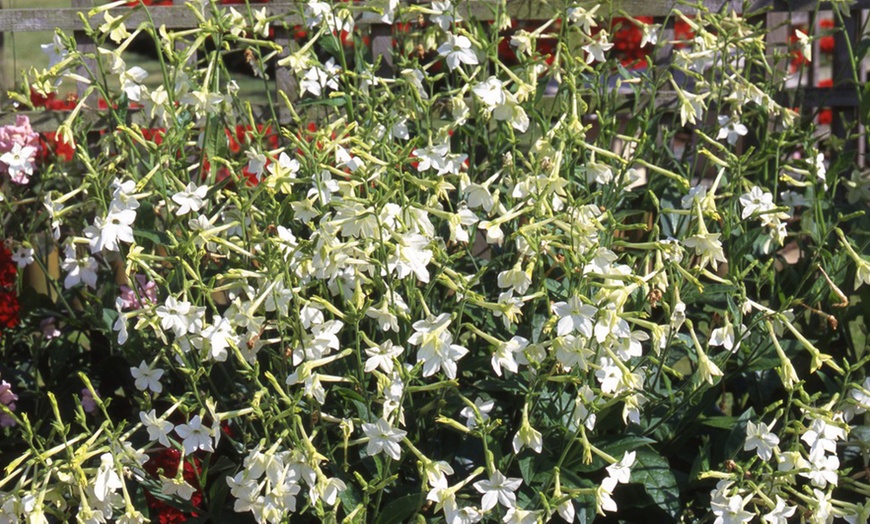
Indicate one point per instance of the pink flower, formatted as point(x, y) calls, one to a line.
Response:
point(21, 138)
point(88, 402)
point(49, 328)
point(7, 398)
point(21, 133)
point(147, 293)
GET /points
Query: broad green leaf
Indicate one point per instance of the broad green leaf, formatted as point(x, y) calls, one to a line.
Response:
point(400, 509)
point(654, 472)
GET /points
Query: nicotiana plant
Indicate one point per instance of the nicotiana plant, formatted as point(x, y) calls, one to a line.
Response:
point(520, 279)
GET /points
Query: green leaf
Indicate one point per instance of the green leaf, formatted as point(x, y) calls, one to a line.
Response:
point(654, 472)
point(400, 510)
point(720, 422)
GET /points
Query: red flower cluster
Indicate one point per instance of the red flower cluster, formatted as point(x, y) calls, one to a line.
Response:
point(826, 43)
point(52, 102)
point(166, 463)
point(134, 3)
point(8, 296)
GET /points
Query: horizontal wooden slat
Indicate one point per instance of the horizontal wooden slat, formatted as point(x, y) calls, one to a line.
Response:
point(180, 17)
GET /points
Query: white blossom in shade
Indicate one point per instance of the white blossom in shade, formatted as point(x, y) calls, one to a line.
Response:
point(756, 201)
point(522, 516)
point(157, 429)
point(120, 324)
point(731, 510)
point(730, 130)
point(23, 256)
point(727, 336)
point(583, 18)
point(650, 34)
point(411, 256)
point(621, 471)
point(415, 78)
point(760, 438)
point(131, 82)
point(123, 196)
point(216, 339)
point(483, 407)
point(20, 162)
point(574, 316)
point(55, 51)
point(861, 514)
point(107, 233)
point(147, 378)
point(318, 78)
point(174, 316)
point(445, 14)
point(507, 353)
point(107, 480)
point(383, 438)
point(79, 270)
point(431, 156)
point(780, 513)
point(527, 437)
point(603, 496)
point(861, 398)
point(442, 354)
point(823, 468)
point(459, 221)
point(791, 461)
point(457, 50)
point(498, 490)
point(692, 106)
point(381, 357)
point(823, 435)
point(516, 279)
point(190, 199)
point(708, 247)
point(380, 11)
point(195, 435)
point(176, 487)
point(597, 47)
point(823, 509)
point(609, 375)
point(805, 44)
point(491, 92)
point(696, 195)
point(707, 369)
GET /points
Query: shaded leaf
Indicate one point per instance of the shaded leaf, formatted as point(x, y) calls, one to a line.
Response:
point(654, 472)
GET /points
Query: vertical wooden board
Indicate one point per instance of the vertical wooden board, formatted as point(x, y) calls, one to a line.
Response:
point(285, 80)
point(85, 45)
point(845, 118)
point(382, 47)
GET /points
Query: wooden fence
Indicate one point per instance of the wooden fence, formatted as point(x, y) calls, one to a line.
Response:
point(841, 97)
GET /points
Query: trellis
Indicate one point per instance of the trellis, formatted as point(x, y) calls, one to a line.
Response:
point(842, 97)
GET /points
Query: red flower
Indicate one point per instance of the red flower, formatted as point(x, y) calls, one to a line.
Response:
point(166, 463)
point(50, 144)
point(826, 43)
point(9, 306)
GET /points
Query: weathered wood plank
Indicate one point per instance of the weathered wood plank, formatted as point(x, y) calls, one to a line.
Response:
point(180, 17)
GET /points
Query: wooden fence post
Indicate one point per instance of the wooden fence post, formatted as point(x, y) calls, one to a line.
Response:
point(85, 45)
point(845, 118)
point(382, 47)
